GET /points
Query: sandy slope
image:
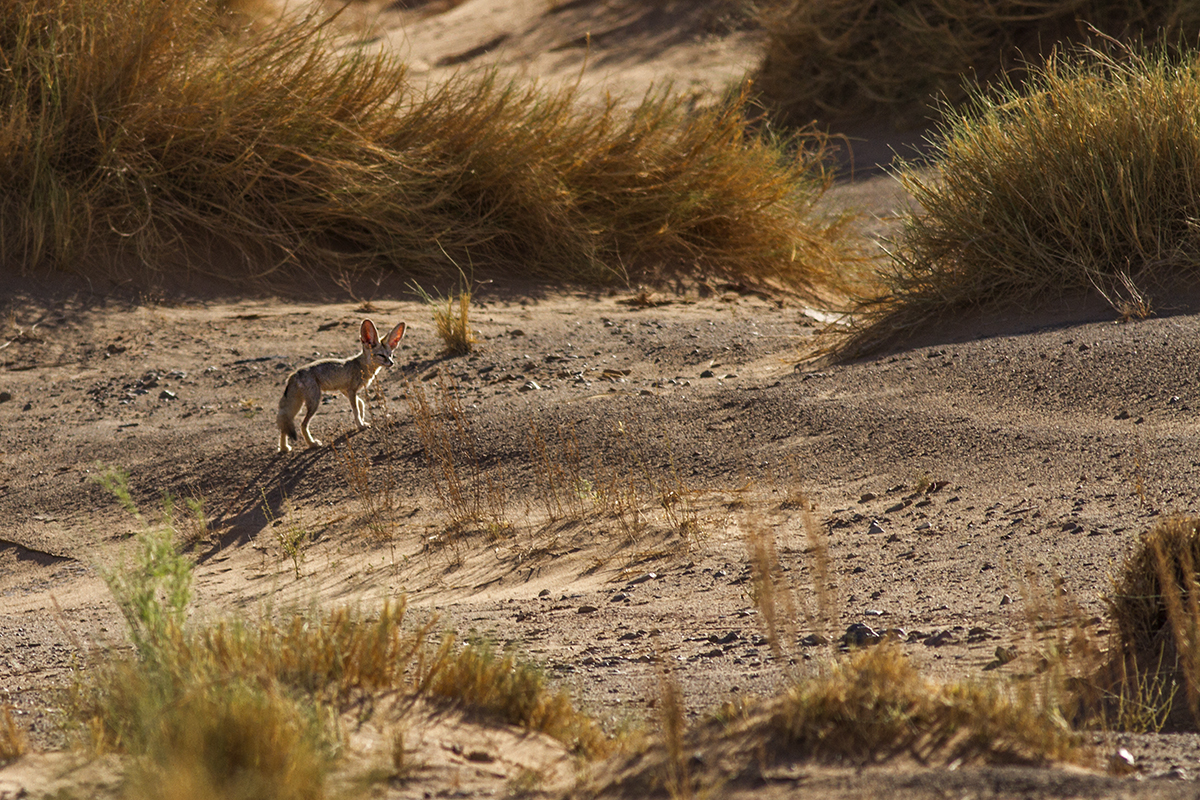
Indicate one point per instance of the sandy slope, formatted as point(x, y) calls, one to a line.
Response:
point(1043, 450)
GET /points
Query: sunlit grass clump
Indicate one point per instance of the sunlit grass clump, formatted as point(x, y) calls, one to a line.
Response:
point(1154, 605)
point(1081, 181)
point(838, 61)
point(237, 708)
point(876, 704)
point(151, 138)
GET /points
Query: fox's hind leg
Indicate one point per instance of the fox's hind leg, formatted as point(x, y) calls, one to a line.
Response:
point(312, 401)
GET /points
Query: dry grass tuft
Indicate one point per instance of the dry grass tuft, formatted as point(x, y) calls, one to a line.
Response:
point(1154, 606)
point(875, 705)
point(13, 743)
point(158, 138)
point(1082, 181)
point(842, 61)
point(512, 689)
point(452, 319)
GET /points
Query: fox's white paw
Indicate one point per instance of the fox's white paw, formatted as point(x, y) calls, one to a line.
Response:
point(314, 443)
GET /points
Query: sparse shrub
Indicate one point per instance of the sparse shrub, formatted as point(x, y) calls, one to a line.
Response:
point(840, 61)
point(1081, 181)
point(156, 137)
point(453, 322)
point(1154, 605)
point(875, 704)
point(153, 593)
point(513, 689)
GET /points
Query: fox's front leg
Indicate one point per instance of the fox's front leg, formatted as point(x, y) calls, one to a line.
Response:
point(360, 409)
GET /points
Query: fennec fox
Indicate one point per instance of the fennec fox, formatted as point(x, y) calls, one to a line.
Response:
point(346, 375)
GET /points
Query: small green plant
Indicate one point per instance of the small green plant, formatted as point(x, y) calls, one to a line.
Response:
point(154, 591)
point(290, 535)
point(116, 481)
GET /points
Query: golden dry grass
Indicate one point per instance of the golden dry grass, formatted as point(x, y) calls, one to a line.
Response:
point(158, 138)
point(838, 61)
point(1082, 180)
point(1154, 605)
point(875, 704)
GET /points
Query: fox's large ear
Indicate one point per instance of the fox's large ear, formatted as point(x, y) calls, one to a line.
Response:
point(369, 334)
point(396, 334)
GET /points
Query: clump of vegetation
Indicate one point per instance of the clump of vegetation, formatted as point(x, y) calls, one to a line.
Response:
point(839, 61)
point(236, 709)
point(1080, 181)
point(154, 138)
point(513, 689)
point(1154, 605)
point(451, 318)
point(875, 704)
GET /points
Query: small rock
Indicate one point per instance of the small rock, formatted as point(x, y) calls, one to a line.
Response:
point(585, 609)
point(27, 407)
point(618, 597)
point(1122, 762)
point(5, 397)
point(530, 386)
point(867, 497)
point(728, 638)
point(515, 332)
point(708, 373)
point(480, 757)
point(167, 394)
point(813, 640)
point(860, 635)
point(1175, 773)
point(1123, 414)
point(874, 612)
point(940, 638)
point(1006, 600)
point(544, 593)
point(875, 527)
point(977, 634)
point(1005, 654)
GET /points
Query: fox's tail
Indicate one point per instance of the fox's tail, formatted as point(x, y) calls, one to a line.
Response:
point(286, 418)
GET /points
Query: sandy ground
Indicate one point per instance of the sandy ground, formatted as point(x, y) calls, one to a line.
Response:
point(623, 454)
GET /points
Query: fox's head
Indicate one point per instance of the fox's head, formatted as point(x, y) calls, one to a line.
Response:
point(381, 351)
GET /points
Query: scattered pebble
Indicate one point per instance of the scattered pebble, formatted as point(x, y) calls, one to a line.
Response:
point(860, 635)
